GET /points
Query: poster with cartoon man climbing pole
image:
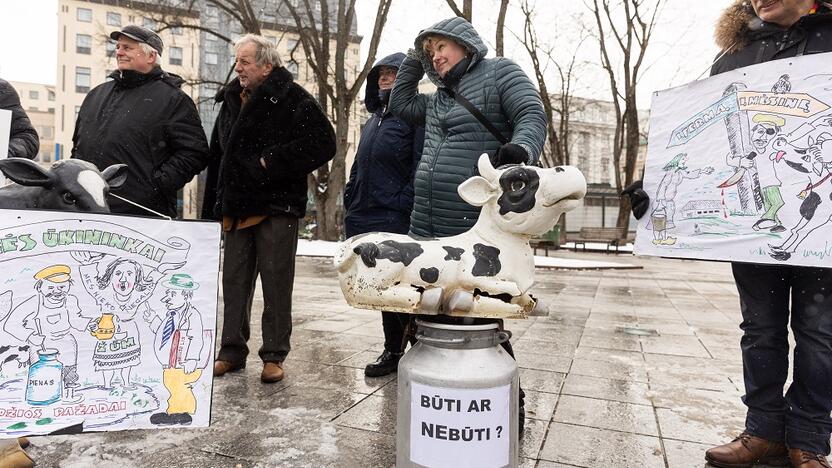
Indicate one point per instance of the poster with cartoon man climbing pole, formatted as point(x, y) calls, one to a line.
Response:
point(739, 166)
point(106, 322)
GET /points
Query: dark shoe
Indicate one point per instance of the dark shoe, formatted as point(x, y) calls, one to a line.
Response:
point(803, 459)
point(223, 367)
point(746, 451)
point(165, 419)
point(387, 363)
point(272, 372)
point(521, 420)
point(778, 228)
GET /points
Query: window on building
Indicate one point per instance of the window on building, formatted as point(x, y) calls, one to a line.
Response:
point(272, 39)
point(77, 111)
point(46, 132)
point(175, 56)
point(82, 79)
point(84, 15)
point(111, 48)
point(113, 19)
point(293, 69)
point(34, 95)
point(50, 95)
point(176, 30)
point(211, 58)
point(83, 44)
point(291, 44)
point(32, 109)
point(51, 110)
point(148, 23)
point(211, 11)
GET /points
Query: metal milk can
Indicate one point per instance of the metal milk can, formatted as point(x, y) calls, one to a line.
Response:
point(457, 399)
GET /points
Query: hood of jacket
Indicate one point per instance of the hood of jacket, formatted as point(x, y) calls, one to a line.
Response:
point(738, 25)
point(461, 32)
point(371, 99)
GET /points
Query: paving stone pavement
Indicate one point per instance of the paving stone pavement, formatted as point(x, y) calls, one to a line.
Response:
point(632, 368)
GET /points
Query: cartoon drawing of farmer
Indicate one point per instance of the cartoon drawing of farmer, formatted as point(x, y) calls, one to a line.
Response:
point(122, 289)
point(45, 320)
point(767, 127)
point(180, 348)
point(675, 172)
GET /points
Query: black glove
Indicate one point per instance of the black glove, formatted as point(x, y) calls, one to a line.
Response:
point(509, 153)
point(639, 200)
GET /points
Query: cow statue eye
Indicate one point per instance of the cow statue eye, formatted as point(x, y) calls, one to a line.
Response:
point(69, 198)
point(517, 185)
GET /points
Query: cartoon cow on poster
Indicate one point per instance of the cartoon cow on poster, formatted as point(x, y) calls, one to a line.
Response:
point(483, 272)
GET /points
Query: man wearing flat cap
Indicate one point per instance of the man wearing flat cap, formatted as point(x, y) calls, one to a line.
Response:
point(143, 119)
point(45, 320)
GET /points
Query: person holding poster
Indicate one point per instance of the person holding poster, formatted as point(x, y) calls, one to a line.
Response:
point(270, 134)
point(379, 194)
point(793, 428)
point(23, 139)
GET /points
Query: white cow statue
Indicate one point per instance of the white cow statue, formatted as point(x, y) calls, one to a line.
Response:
point(484, 272)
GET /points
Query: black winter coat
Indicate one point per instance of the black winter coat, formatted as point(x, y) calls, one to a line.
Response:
point(148, 123)
point(281, 123)
point(748, 40)
point(379, 194)
point(23, 139)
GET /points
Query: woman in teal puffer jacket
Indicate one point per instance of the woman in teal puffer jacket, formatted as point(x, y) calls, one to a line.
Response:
point(453, 56)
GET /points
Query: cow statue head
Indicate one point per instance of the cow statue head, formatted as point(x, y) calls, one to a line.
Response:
point(71, 185)
point(524, 200)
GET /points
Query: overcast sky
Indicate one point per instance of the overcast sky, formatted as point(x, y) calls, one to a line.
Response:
point(681, 51)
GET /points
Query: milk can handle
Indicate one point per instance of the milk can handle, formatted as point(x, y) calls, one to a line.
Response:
point(445, 341)
point(503, 336)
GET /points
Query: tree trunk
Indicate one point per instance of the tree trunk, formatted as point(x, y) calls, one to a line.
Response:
point(329, 219)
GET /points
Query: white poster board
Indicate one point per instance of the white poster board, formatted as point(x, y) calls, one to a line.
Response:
point(460, 428)
point(106, 322)
point(5, 135)
point(738, 166)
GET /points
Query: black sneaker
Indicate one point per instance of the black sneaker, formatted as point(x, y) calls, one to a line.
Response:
point(387, 363)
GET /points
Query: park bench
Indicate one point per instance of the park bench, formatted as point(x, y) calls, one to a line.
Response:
point(602, 235)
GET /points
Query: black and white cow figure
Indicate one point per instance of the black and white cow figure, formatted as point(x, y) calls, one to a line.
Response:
point(70, 185)
point(484, 272)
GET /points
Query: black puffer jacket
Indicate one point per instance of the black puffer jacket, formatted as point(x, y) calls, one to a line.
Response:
point(748, 40)
point(23, 139)
point(148, 123)
point(379, 194)
point(284, 125)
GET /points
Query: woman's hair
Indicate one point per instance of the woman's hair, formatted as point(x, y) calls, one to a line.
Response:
point(265, 51)
point(142, 283)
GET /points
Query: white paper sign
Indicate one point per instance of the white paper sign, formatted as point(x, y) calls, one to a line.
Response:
point(105, 321)
point(459, 428)
point(5, 135)
point(739, 166)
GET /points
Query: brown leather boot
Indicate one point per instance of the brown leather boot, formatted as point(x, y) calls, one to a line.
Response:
point(272, 372)
point(222, 367)
point(803, 459)
point(746, 451)
point(12, 456)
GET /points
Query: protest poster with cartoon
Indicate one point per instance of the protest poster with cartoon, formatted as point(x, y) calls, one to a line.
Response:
point(106, 322)
point(739, 166)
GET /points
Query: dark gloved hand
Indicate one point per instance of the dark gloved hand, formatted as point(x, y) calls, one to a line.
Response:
point(509, 153)
point(639, 200)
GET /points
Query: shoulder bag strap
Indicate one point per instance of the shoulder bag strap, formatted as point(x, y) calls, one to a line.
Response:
point(478, 115)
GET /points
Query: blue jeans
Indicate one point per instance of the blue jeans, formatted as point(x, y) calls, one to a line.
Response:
point(801, 417)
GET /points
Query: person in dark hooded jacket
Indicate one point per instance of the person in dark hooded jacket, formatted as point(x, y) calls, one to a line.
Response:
point(23, 139)
point(379, 194)
point(793, 428)
point(143, 119)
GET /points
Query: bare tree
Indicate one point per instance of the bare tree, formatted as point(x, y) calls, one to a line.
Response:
point(626, 33)
point(467, 9)
point(501, 24)
point(335, 85)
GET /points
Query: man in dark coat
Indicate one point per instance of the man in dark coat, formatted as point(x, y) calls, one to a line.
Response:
point(795, 427)
point(269, 135)
point(379, 194)
point(141, 118)
point(23, 139)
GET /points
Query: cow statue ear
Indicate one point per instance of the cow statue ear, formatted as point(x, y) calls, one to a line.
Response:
point(25, 172)
point(115, 175)
point(476, 191)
